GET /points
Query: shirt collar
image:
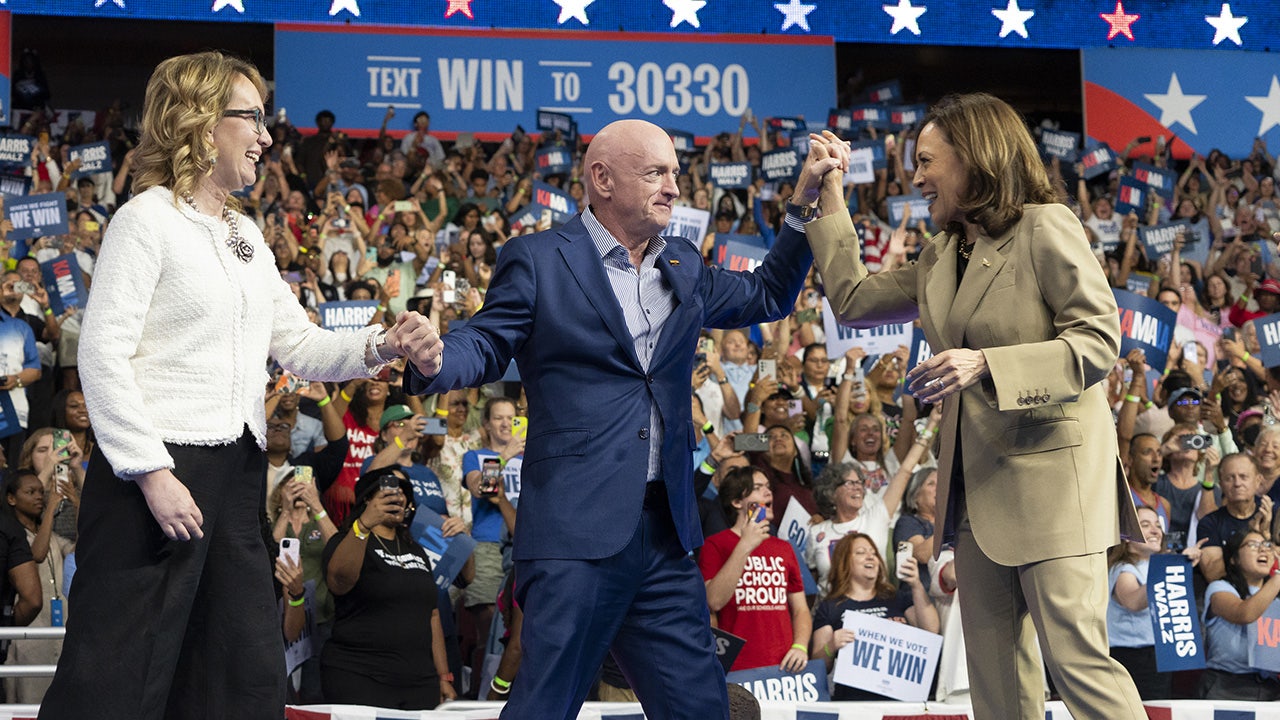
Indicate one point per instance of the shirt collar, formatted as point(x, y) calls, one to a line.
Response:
point(605, 242)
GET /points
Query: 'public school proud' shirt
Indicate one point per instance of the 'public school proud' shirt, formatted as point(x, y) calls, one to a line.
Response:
point(758, 612)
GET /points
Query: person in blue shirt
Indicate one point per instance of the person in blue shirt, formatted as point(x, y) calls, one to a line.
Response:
point(19, 367)
point(1231, 604)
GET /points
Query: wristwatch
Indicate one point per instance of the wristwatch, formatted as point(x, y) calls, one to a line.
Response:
point(803, 213)
point(381, 349)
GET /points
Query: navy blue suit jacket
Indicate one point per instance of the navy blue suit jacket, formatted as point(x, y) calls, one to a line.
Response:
point(551, 307)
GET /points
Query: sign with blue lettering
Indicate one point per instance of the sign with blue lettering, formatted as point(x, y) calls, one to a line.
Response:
point(1139, 283)
point(730, 175)
point(1148, 325)
point(794, 528)
point(689, 223)
point(1098, 161)
point(14, 185)
point(448, 554)
point(1159, 239)
point(1174, 620)
point(347, 315)
point(1131, 197)
point(15, 150)
point(781, 165)
point(558, 122)
point(554, 161)
point(1161, 181)
point(94, 158)
point(878, 340)
point(1060, 144)
point(1264, 640)
point(1268, 329)
point(739, 252)
point(563, 206)
point(35, 216)
point(878, 160)
point(887, 657)
point(64, 282)
point(487, 83)
point(919, 209)
point(771, 684)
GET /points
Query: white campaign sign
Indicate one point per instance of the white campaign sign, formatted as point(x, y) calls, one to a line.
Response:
point(875, 341)
point(887, 657)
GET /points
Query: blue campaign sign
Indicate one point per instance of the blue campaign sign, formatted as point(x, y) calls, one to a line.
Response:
point(94, 158)
point(920, 350)
point(9, 423)
point(728, 646)
point(1060, 144)
point(1174, 620)
point(781, 165)
point(1159, 239)
point(902, 117)
point(738, 252)
point(528, 217)
point(787, 125)
point(1131, 196)
point(1148, 325)
point(1161, 181)
point(919, 209)
point(347, 315)
point(64, 282)
point(889, 91)
point(1098, 160)
point(1268, 329)
point(35, 216)
point(730, 175)
point(683, 140)
point(448, 554)
point(1197, 99)
point(1264, 640)
point(563, 206)
point(771, 684)
point(554, 161)
point(14, 185)
point(840, 120)
point(15, 150)
point(555, 121)
point(878, 160)
point(488, 82)
point(876, 116)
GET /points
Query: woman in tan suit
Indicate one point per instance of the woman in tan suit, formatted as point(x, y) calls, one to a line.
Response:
point(1024, 328)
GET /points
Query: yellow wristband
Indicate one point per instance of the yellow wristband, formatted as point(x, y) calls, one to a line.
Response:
point(344, 395)
point(382, 308)
point(299, 602)
point(798, 646)
point(500, 682)
point(48, 311)
point(1132, 398)
point(827, 649)
point(325, 401)
point(355, 528)
point(321, 515)
point(399, 442)
point(1247, 356)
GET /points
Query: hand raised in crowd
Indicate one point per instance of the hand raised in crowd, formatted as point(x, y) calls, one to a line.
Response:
point(700, 375)
point(753, 533)
point(171, 505)
point(1137, 360)
point(414, 337)
point(1193, 552)
point(1261, 522)
point(761, 389)
point(290, 576)
point(385, 507)
point(723, 449)
point(1211, 414)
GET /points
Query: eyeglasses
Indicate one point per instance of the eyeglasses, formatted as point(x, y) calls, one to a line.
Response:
point(855, 483)
point(280, 427)
point(1183, 402)
point(1258, 545)
point(254, 114)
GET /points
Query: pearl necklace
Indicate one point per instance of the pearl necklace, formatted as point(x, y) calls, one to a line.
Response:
point(241, 248)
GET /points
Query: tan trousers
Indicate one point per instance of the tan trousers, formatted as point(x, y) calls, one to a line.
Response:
point(1064, 601)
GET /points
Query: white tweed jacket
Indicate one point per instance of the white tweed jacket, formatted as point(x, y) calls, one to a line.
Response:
point(177, 331)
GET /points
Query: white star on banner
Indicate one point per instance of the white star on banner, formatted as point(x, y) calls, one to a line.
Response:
point(685, 11)
point(351, 6)
point(1013, 19)
point(905, 16)
point(237, 5)
point(100, 3)
point(1226, 26)
point(576, 9)
point(1269, 104)
point(1175, 107)
point(795, 12)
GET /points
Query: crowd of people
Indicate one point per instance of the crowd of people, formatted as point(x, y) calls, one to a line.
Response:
point(413, 222)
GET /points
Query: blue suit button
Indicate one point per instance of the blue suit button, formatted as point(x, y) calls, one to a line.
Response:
point(644, 433)
point(649, 379)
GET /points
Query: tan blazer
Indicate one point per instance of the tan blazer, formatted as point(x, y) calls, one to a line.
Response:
point(1041, 465)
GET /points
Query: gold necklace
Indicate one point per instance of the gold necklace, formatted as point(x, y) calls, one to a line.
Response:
point(384, 545)
point(965, 249)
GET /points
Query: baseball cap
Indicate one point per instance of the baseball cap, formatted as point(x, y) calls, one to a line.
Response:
point(1181, 392)
point(394, 413)
point(1270, 285)
point(349, 163)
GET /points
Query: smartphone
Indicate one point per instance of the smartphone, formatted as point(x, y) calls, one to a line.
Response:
point(24, 287)
point(699, 359)
point(903, 557)
point(490, 476)
point(750, 442)
point(288, 383)
point(767, 368)
point(830, 382)
point(339, 223)
point(1195, 442)
point(289, 548)
point(303, 474)
point(706, 345)
point(293, 277)
point(795, 407)
point(393, 283)
point(61, 476)
point(1191, 351)
point(811, 298)
point(1229, 334)
point(520, 426)
point(450, 279)
point(61, 441)
point(388, 482)
point(435, 426)
point(758, 513)
point(403, 206)
point(545, 218)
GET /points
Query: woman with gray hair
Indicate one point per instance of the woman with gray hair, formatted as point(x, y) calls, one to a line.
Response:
point(916, 523)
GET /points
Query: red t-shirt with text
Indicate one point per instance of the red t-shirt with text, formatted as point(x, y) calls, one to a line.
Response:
point(758, 611)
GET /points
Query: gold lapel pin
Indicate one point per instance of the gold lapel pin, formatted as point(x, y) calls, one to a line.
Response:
point(673, 261)
point(986, 262)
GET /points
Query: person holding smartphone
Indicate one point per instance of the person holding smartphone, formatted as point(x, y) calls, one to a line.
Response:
point(388, 647)
point(753, 580)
